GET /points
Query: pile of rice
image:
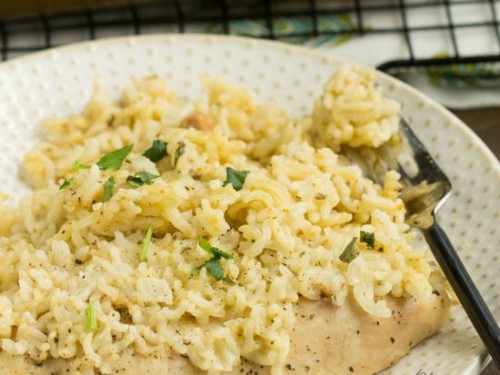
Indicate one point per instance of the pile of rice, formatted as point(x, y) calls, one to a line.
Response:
point(64, 250)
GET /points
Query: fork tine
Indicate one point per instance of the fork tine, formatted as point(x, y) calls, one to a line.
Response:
point(473, 303)
point(426, 187)
point(428, 168)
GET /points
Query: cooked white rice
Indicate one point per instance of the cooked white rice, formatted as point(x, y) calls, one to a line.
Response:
point(300, 205)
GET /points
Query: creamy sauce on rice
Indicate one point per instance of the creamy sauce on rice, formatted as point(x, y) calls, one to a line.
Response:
point(71, 252)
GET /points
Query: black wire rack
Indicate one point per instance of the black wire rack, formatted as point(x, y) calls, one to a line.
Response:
point(224, 16)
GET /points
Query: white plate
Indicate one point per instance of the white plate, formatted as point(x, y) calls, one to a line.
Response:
point(60, 81)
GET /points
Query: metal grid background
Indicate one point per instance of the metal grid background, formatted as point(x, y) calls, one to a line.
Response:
point(185, 16)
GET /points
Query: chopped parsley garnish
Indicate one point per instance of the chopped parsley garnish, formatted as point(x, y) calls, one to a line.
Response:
point(65, 184)
point(90, 319)
point(157, 151)
point(77, 165)
point(114, 159)
point(368, 238)
point(203, 243)
point(108, 189)
point(212, 265)
point(350, 252)
point(141, 178)
point(235, 178)
point(181, 148)
point(145, 245)
point(214, 268)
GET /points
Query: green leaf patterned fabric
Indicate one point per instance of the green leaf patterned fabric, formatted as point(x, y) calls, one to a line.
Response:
point(338, 29)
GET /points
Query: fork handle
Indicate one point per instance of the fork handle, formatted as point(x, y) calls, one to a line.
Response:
point(465, 289)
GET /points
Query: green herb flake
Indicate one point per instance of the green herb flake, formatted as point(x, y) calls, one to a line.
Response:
point(235, 178)
point(141, 178)
point(368, 238)
point(114, 159)
point(350, 252)
point(214, 268)
point(213, 250)
point(181, 148)
point(90, 319)
point(221, 254)
point(65, 184)
point(77, 165)
point(213, 265)
point(145, 245)
point(202, 241)
point(108, 189)
point(157, 151)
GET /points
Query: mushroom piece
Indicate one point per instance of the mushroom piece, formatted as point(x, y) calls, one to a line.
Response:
point(199, 120)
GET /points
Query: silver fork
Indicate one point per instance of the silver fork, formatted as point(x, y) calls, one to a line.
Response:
point(425, 189)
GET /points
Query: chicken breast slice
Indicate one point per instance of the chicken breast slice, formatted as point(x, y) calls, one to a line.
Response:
point(326, 340)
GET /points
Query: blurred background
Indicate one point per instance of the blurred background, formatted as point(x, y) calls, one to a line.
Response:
point(448, 49)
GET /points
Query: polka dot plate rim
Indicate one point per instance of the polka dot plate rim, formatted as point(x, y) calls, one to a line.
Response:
point(59, 81)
